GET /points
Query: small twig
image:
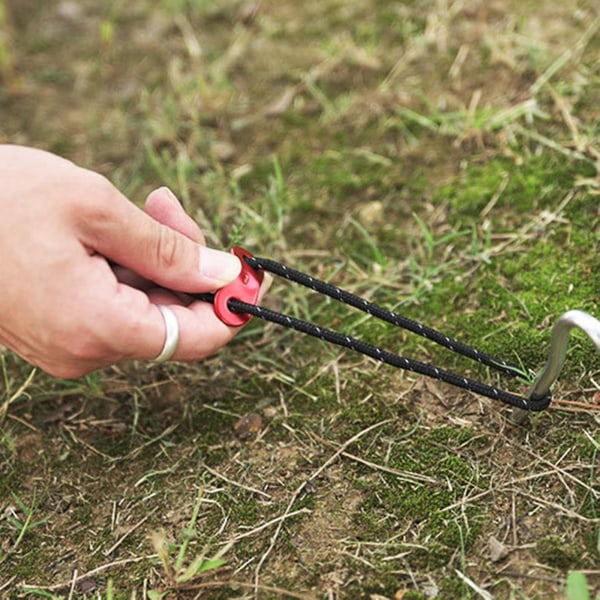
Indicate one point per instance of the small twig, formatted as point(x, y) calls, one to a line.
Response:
point(129, 532)
point(23, 422)
point(100, 569)
point(358, 558)
point(508, 486)
point(515, 531)
point(563, 472)
point(412, 477)
point(589, 571)
point(139, 449)
point(279, 519)
point(83, 443)
point(407, 475)
point(560, 508)
point(494, 199)
point(4, 408)
point(575, 410)
point(235, 483)
point(73, 584)
point(485, 595)
point(262, 588)
point(7, 583)
point(590, 406)
point(592, 440)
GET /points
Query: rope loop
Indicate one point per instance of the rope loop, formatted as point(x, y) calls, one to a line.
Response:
point(242, 307)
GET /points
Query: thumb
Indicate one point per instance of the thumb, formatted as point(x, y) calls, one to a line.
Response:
point(123, 233)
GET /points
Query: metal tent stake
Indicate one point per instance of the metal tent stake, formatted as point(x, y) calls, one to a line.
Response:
point(558, 347)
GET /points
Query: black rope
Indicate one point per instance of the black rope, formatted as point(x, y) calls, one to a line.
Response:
point(389, 358)
point(340, 339)
point(382, 313)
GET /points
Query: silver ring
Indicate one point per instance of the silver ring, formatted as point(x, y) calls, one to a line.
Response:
point(171, 334)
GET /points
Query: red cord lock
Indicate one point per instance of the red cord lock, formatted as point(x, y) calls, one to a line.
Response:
point(245, 288)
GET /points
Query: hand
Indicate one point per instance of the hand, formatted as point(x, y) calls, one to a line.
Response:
point(82, 269)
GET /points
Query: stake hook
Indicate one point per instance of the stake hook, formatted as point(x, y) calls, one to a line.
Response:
point(558, 348)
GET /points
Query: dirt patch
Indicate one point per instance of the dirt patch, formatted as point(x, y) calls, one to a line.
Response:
point(317, 133)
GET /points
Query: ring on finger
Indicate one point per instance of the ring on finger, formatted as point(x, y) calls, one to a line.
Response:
point(171, 334)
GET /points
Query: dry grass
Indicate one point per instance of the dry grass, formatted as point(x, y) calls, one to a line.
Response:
point(440, 157)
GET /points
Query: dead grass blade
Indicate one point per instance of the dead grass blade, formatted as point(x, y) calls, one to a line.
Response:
point(240, 584)
point(404, 475)
point(298, 491)
point(235, 483)
point(22, 388)
point(67, 584)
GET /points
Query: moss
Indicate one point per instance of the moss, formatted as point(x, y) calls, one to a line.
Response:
point(530, 300)
point(347, 172)
point(244, 512)
point(555, 552)
point(359, 411)
point(211, 428)
point(513, 301)
point(375, 584)
point(394, 505)
point(453, 588)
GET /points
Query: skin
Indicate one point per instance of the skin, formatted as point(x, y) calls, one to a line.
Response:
point(82, 269)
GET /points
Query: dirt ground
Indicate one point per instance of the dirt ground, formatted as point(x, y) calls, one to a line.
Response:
point(439, 158)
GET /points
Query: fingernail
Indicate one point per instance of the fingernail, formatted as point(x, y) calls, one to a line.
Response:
point(171, 195)
point(221, 267)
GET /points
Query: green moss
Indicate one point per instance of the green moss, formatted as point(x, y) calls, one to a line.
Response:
point(539, 285)
point(453, 588)
point(375, 584)
point(555, 552)
point(244, 512)
point(54, 76)
point(514, 298)
point(396, 505)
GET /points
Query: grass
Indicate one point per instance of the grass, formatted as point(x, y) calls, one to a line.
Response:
point(438, 158)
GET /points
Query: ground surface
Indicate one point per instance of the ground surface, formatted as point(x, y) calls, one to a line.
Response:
point(438, 157)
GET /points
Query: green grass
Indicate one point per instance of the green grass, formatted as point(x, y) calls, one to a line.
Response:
point(438, 159)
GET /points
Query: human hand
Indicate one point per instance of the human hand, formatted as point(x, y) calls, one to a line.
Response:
point(83, 269)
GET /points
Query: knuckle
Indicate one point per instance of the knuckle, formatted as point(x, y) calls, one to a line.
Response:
point(169, 248)
point(100, 195)
point(95, 204)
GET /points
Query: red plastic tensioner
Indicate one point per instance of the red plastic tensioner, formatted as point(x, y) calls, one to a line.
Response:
point(245, 288)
